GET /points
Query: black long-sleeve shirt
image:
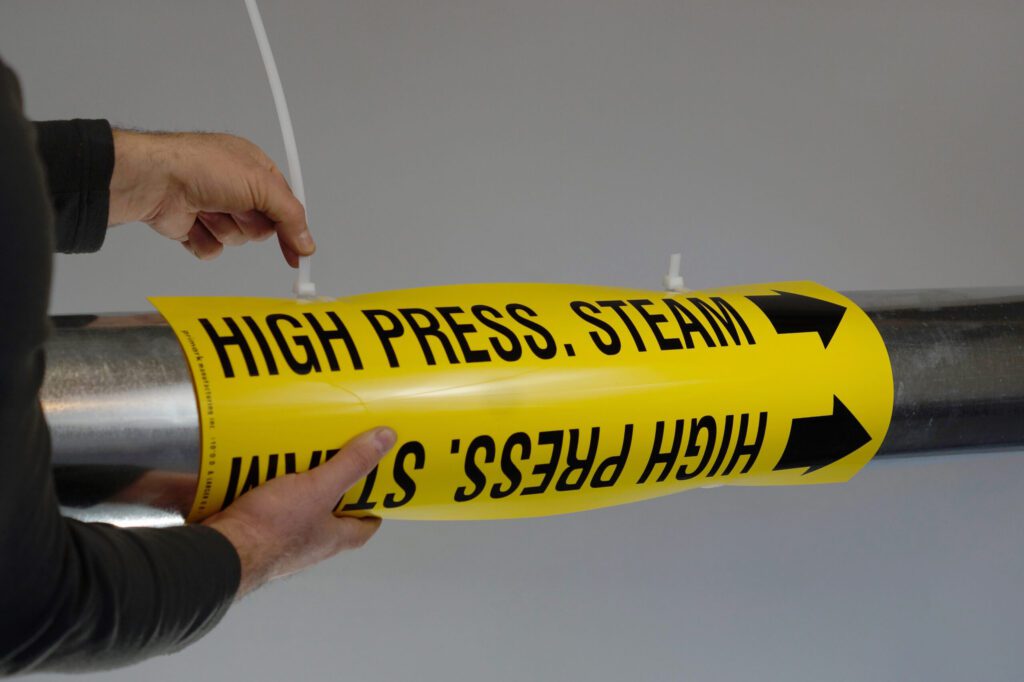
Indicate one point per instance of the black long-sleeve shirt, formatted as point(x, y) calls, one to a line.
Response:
point(74, 596)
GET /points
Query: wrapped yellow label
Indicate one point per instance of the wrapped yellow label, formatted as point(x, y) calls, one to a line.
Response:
point(514, 400)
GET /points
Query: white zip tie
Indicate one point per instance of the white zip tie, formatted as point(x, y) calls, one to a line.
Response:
point(304, 287)
point(674, 280)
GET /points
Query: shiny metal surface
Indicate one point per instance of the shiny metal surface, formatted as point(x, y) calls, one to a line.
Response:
point(119, 400)
point(122, 411)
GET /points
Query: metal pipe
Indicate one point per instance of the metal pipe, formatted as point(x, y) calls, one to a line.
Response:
point(122, 412)
point(123, 419)
point(957, 359)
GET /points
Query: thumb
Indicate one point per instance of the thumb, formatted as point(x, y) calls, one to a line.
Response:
point(354, 461)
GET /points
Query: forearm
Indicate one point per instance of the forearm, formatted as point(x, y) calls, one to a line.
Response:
point(141, 177)
point(97, 597)
point(134, 594)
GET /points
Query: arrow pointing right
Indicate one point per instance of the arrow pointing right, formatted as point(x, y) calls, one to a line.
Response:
point(816, 442)
point(793, 313)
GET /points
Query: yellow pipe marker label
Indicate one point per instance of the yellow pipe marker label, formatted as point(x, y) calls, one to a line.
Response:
point(516, 400)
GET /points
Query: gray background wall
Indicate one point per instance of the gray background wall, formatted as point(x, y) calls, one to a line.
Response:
point(861, 144)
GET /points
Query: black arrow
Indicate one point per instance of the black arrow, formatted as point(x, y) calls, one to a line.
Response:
point(815, 442)
point(793, 314)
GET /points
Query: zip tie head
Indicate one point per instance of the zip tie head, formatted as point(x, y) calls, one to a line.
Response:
point(305, 290)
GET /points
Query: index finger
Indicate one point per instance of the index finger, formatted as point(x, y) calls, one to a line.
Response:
point(354, 461)
point(288, 216)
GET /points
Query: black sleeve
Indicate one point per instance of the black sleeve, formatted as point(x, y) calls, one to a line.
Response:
point(74, 596)
point(78, 157)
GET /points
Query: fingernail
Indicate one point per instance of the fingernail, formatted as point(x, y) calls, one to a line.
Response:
point(385, 438)
point(305, 240)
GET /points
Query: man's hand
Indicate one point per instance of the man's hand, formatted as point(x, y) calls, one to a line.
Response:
point(287, 524)
point(205, 190)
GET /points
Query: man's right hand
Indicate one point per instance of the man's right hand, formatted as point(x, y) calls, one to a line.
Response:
point(287, 524)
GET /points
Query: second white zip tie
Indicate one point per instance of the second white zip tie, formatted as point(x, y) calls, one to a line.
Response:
point(304, 287)
point(674, 278)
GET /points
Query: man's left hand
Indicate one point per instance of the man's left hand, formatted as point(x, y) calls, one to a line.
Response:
point(205, 190)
